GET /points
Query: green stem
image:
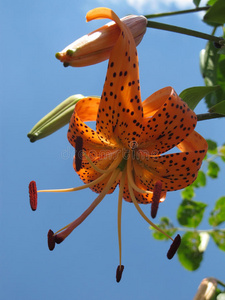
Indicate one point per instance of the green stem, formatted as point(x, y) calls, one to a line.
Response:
point(208, 116)
point(177, 12)
point(182, 30)
point(220, 282)
point(197, 230)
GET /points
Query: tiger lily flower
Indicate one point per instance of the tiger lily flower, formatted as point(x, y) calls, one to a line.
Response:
point(96, 46)
point(131, 139)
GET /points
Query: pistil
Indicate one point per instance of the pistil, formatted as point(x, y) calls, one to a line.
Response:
point(120, 199)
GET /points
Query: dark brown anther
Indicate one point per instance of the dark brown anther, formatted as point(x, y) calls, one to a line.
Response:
point(58, 239)
point(66, 64)
point(119, 272)
point(33, 195)
point(174, 246)
point(51, 240)
point(156, 198)
point(78, 152)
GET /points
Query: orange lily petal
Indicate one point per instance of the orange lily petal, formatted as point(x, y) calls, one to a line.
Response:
point(169, 125)
point(120, 107)
point(155, 101)
point(175, 171)
point(85, 110)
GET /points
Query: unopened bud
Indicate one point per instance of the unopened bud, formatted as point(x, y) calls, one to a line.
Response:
point(55, 119)
point(206, 289)
point(96, 46)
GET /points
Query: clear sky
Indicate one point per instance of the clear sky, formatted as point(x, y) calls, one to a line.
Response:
point(32, 83)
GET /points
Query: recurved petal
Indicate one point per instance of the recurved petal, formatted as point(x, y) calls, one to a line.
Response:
point(120, 107)
point(175, 171)
point(169, 121)
point(85, 110)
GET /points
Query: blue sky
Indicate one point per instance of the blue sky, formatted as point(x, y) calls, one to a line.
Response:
point(34, 82)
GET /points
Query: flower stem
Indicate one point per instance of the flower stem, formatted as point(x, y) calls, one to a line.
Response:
point(182, 30)
point(179, 12)
point(208, 116)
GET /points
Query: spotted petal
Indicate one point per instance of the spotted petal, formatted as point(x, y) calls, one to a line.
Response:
point(167, 121)
point(175, 171)
point(85, 110)
point(99, 151)
point(120, 107)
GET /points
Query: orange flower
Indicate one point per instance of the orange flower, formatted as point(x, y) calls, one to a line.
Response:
point(131, 140)
point(96, 46)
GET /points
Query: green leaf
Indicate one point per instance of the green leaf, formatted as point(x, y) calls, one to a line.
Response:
point(200, 180)
point(197, 2)
point(167, 226)
point(190, 213)
point(212, 146)
point(213, 169)
point(211, 2)
point(188, 193)
point(212, 67)
point(188, 253)
point(219, 108)
point(222, 152)
point(192, 96)
point(217, 215)
point(219, 238)
point(215, 15)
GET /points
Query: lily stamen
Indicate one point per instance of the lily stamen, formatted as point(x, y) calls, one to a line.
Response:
point(119, 272)
point(33, 195)
point(78, 152)
point(51, 240)
point(174, 246)
point(156, 198)
point(113, 165)
point(142, 213)
point(59, 237)
point(120, 199)
point(75, 189)
point(131, 180)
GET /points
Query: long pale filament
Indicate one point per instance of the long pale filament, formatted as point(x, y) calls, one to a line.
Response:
point(86, 213)
point(115, 163)
point(82, 187)
point(132, 183)
point(120, 199)
point(142, 213)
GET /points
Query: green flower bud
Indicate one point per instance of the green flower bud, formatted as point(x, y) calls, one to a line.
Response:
point(55, 119)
